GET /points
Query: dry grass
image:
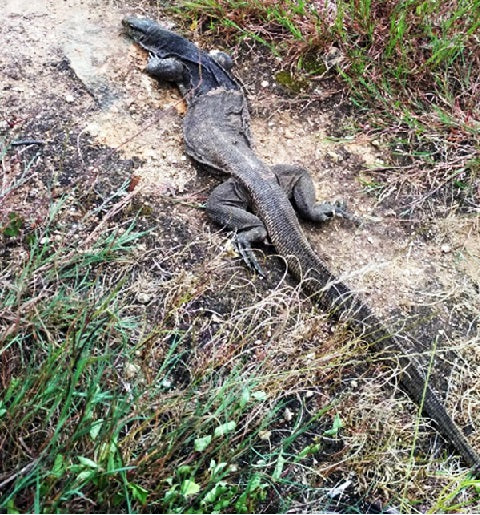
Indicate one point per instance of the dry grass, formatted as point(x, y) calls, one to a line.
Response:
point(136, 377)
point(412, 68)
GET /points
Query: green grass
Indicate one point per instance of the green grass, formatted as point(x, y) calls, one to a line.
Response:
point(101, 410)
point(106, 409)
point(411, 67)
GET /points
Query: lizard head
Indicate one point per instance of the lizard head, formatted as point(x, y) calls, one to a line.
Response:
point(142, 30)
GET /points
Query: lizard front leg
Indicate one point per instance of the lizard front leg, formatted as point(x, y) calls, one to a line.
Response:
point(228, 206)
point(167, 70)
point(298, 185)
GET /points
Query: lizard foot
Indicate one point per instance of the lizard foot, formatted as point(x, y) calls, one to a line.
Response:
point(340, 210)
point(326, 211)
point(245, 250)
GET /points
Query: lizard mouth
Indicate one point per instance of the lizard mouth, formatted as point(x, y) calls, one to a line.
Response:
point(137, 27)
point(143, 30)
point(130, 24)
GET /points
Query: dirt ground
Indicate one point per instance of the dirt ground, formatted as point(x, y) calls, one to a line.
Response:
point(70, 79)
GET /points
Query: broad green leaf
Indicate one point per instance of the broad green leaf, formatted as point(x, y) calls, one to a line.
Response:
point(308, 450)
point(202, 443)
point(138, 492)
point(58, 468)
point(87, 462)
point(85, 475)
point(215, 469)
point(189, 488)
point(259, 395)
point(336, 426)
point(278, 467)
point(223, 429)
point(95, 428)
point(213, 494)
point(184, 469)
point(244, 397)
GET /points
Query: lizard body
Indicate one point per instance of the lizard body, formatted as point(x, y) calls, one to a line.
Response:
point(257, 201)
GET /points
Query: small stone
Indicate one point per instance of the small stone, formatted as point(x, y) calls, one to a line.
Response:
point(70, 99)
point(166, 383)
point(333, 156)
point(216, 319)
point(445, 248)
point(287, 415)
point(131, 370)
point(264, 84)
point(265, 435)
point(143, 298)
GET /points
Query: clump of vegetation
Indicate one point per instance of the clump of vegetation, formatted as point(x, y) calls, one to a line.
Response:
point(412, 67)
point(289, 81)
point(109, 405)
point(121, 393)
point(102, 412)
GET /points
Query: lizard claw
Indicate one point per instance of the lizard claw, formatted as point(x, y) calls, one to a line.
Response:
point(245, 250)
point(340, 210)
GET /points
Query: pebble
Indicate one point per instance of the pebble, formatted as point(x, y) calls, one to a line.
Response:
point(265, 435)
point(70, 99)
point(143, 298)
point(264, 84)
point(334, 156)
point(131, 370)
point(445, 248)
point(166, 383)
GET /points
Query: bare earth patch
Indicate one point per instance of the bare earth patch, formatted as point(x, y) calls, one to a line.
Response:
point(70, 79)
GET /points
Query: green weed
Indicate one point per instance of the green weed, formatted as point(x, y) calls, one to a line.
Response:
point(96, 414)
point(408, 65)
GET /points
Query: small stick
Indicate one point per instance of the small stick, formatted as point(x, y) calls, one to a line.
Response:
point(19, 142)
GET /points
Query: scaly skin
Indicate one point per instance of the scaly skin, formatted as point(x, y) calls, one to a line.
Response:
point(216, 134)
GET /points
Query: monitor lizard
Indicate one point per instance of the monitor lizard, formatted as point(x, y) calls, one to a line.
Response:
point(258, 200)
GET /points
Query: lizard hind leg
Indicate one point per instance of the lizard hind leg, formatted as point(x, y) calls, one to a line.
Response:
point(298, 185)
point(228, 206)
